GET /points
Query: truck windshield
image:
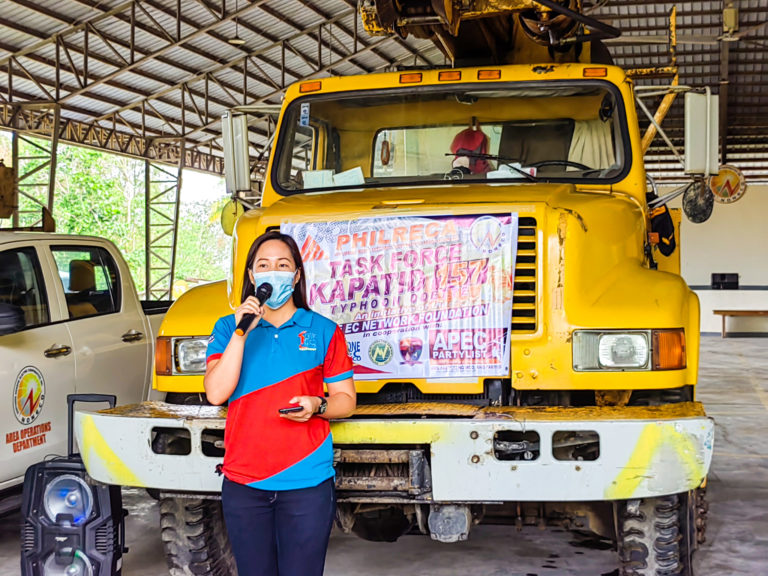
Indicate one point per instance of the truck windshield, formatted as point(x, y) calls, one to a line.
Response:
point(438, 135)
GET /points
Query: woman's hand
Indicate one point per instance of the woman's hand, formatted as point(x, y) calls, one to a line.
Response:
point(250, 306)
point(310, 405)
point(341, 402)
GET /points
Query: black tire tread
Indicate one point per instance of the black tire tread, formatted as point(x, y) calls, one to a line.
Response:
point(195, 538)
point(650, 539)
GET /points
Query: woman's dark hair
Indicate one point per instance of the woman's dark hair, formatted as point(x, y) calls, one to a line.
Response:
point(300, 292)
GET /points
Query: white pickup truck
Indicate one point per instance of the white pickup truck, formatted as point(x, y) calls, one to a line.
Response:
point(70, 322)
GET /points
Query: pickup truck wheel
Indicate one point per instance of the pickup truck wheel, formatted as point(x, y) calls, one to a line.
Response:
point(652, 537)
point(195, 538)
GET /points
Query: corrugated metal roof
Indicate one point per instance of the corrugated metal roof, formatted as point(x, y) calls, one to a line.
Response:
point(141, 56)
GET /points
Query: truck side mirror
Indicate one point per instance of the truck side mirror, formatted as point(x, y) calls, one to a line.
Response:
point(229, 214)
point(11, 318)
point(701, 134)
point(237, 167)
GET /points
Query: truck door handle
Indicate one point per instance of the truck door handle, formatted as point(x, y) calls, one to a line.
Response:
point(132, 336)
point(55, 351)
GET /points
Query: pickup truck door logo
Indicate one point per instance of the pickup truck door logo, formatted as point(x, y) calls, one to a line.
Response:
point(28, 395)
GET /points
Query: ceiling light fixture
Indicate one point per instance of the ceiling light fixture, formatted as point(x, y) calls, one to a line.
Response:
point(236, 41)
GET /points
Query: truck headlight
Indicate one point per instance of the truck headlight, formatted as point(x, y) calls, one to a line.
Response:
point(180, 355)
point(611, 350)
point(615, 350)
point(190, 354)
point(623, 350)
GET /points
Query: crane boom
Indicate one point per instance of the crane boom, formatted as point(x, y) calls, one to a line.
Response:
point(492, 31)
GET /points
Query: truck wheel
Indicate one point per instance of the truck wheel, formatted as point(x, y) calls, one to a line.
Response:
point(195, 538)
point(652, 537)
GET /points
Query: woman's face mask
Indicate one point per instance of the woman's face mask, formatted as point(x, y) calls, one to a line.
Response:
point(282, 286)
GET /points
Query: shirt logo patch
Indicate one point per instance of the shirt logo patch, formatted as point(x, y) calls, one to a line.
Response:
point(210, 340)
point(307, 341)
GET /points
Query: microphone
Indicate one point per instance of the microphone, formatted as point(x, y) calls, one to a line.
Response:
point(263, 292)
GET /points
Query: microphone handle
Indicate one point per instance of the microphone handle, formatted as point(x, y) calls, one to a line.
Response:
point(244, 324)
point(262, 293)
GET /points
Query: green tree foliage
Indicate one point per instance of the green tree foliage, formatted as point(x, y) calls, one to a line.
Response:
point(203, 249)
point(102, 195)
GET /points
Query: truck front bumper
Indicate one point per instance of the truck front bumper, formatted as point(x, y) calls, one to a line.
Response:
point(643, 451)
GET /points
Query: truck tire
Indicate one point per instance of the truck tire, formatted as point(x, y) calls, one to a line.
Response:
point(652, 537)
point(195, 538)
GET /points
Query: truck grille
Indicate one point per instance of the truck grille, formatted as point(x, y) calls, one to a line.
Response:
point(524, 318)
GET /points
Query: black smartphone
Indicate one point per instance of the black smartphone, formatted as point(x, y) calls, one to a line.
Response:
point(289, 409)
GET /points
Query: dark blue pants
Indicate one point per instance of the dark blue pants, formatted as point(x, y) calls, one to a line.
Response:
point(281, 533)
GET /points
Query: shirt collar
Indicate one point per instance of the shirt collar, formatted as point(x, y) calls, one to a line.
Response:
point(302, 317)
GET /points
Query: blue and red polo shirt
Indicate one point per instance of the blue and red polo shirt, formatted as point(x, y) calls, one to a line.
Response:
point(264, 450)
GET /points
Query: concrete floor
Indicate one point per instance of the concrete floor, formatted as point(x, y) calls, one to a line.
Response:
point(734, 389)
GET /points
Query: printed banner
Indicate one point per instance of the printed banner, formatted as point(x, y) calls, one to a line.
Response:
point(416, 297)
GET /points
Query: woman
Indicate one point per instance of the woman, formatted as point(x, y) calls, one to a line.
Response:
point(278, 492)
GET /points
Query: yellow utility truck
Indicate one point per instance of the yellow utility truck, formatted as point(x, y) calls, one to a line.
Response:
point(523, 350)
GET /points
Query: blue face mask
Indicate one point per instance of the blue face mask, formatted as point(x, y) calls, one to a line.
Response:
point(282, 286)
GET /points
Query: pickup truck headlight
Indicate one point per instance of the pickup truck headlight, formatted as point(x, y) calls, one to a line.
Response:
point(617, 350)
point(182, 355)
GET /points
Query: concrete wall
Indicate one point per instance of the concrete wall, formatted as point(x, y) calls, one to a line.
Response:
point(735, 240)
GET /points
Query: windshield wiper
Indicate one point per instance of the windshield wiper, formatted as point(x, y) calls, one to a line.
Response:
point(503, 159)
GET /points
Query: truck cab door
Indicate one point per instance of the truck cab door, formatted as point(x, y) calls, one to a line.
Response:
point(106, 321)
point(37, 365)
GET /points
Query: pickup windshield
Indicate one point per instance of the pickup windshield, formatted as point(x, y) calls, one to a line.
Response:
point(561, 132)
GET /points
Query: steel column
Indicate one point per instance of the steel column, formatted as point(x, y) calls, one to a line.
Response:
point(162, 187)
point(34, 142)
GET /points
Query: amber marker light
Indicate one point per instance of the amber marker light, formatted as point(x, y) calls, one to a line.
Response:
point(410, 78)
point(163, 356)
point(314, 86)
point(449, 76)
point(595, 72)
point(669, 349)
point(488, 74)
